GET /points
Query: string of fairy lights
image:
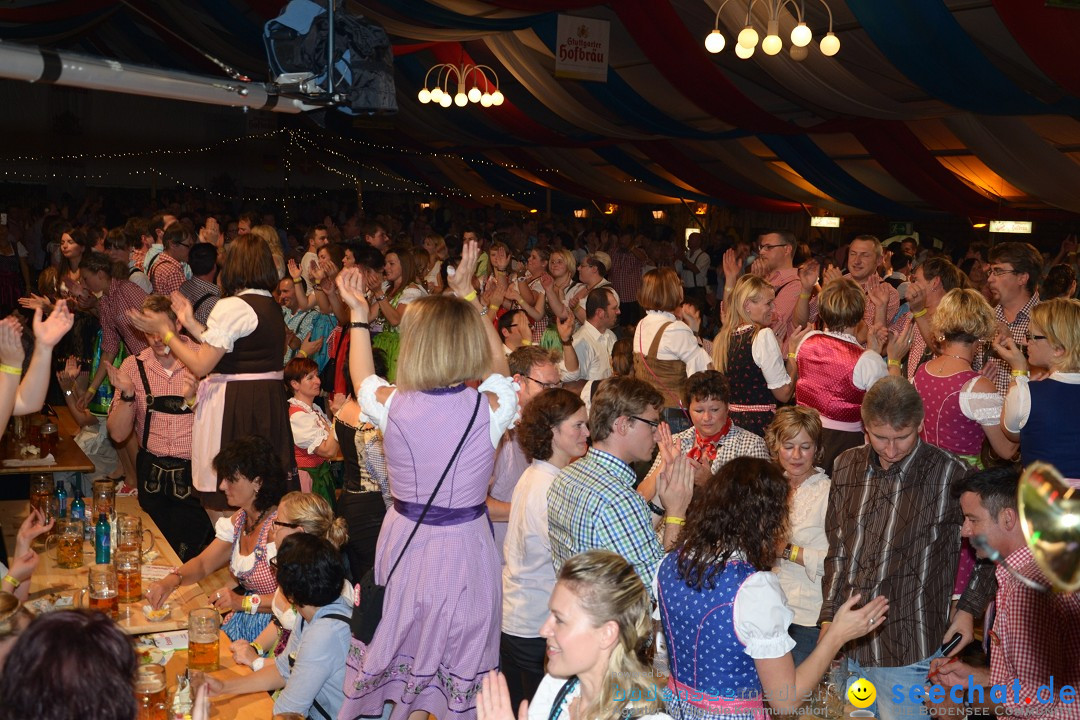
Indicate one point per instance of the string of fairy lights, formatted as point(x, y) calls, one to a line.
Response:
point(297, 143)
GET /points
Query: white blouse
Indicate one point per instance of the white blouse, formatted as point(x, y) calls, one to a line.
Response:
point(678, 343)
point(225, 531)
point(765, 351)
point(802, 583)
point(1017, 410)
point(376, 413)
point(309, 428)
point(231, 319)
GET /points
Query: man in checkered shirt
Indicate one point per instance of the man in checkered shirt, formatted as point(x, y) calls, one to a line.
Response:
point(1013, 276)
point(1035, 636)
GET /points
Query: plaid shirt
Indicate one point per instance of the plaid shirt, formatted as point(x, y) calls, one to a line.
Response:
point(1035, 636)
point(195, 290)
point(170, 435)
point(113, 307)
point(166, 274)
point(786, 285)
point(592, 504)
point(896, 533)
point(738, 442)
point(625, 275)
point(1018, 328)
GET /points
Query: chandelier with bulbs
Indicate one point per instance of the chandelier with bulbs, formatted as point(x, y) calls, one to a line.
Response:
point(462, 75)
point(772, 44)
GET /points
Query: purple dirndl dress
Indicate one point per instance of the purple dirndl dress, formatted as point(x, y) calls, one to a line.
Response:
point(439, 632)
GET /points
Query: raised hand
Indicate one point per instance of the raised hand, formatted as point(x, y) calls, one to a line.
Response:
point(191, 384)
point(33, 526)
point(493, 700)
point(11, 347)
point(877, 338)
point(50, 331)
point(35, 302)
point(758, 267)
point(916, 298)
point(808, 275)
point(899, 344)
point(70, 373)
point(1010, 352)
point(798, 336)
point(181, 306)
point(852, 623)
point(831, 273)
point(148, 321)
point(294, 269)
point(565, 326)
point(731, 266)
point(675, 486)
point(461, 281)
point(351, 289)
point(879, 295)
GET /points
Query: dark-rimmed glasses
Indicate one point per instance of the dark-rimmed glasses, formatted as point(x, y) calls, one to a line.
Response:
point(653, 423)
point(545, 385)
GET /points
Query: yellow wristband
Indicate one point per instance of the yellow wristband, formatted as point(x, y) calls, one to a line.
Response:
point(893, 362)
point(246, 603)
point(493, 308)
point(674, 520)
point(301, 354)
point(10, 579)
point(168, 337)
point(804, 295)
point(297, 280)
point(1020, 373)
point(11, 369)
point(257, 647)
point(794, 553)
point(791, 356)
point(470, 297)
point(917, 315)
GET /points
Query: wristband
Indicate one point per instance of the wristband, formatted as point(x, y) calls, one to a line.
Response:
point(656, 509)
point(669, 520)
point(257, 664)
point(1020, 373)
point(358, 325)
point(11, 579)
point(11, 369)
point(493, 307)
point(191, 403)
point(168, 337)
point(251, 603)
point(791, 356)
point(258, 648)
point(794, 553)
point(470, 297)
point(127, 397)
point(917, 315)
point(301, 353)
point(179, 578)
point(804, 295)
point(296, 280)
point(893, 362)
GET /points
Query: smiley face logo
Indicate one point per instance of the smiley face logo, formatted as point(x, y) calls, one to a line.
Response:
point(862, 693)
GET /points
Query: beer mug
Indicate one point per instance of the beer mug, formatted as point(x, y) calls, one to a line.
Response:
point(101, 592)
point(50, 434)
point(204, 633)
point(42, 490)
point(68, 536)
point(104, 498)
point(150, 692)
point(128, 576)
point(130, 535)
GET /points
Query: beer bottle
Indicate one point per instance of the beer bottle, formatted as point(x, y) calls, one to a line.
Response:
point(102, 540)
point(61, 499)
point(78, 506)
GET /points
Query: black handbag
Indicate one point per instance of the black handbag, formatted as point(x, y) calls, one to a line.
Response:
point(366, 616)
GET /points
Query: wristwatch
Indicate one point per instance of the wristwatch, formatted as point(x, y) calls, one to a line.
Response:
point(787, 552)
point(127, 398)
point(257, 664)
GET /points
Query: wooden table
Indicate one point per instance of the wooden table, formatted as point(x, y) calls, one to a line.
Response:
point(68, 455)
point(50, 579)
point(253, 706)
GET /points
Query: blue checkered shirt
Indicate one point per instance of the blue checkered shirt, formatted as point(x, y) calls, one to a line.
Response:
point(592, 504)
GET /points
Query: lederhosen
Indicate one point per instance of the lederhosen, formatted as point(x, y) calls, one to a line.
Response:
point(165, 490)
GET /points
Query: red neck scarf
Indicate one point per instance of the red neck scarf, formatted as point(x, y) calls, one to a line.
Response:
point(705, 447)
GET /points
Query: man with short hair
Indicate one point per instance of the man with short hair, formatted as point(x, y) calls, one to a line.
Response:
point(166, 271)
point(893, 530)
point(1035, 637)
point(864, 256)
point(244, 223)
point(1013, 277)
point(513, 327)
point(928, 285)
point(154, 397)
point(156, 229)
point(593, 504)
point(376, 236)
point(628, 263)
point(201, 290)
point(307, 329)
point(316, 237)
point(118, 246)
point(116, 298)
point(141, 239)
point(594, 340)
point(692, 264)
point(775, 262)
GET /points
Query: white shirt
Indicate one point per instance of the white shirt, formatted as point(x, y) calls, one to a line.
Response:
point(1017, 410)
point(225, 531)
point(231, 319)
point(678, 343)
point(694, 270)
point(593, 350)
point(802, 583)
point(541, 702)
point(765, 351)
point(307, 262)
point(528, 576)
point(309, 428)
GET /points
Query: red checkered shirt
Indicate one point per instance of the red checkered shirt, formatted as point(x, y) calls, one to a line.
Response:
point(918, 344)
point(787, 286)
point(625, 275)
point(170, 435)
point(1036, 637)
point(166, 274)
point(1018, 329)
point(123, 295)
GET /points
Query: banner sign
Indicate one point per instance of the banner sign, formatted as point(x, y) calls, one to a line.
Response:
point(582, 46)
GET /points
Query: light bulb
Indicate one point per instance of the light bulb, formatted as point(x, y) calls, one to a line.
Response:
point(461, 99)
point(436, 94)
point(801, 35)
point(744, 52)
point(424, 96)
point(485, 99)
point(772, 44)
point(748, 38)
point(474, 94)
point(714, 41)
point(830, 45)
point(445, 100)
point(497, 98)
point(798, 54)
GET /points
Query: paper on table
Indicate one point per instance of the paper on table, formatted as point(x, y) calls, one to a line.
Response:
point(175, 640)
point(150, 573)
point(30, 462)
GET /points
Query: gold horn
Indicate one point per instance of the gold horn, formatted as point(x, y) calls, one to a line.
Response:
point(1050, 519)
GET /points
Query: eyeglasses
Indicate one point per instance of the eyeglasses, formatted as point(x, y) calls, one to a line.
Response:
point(770, 247)
point(998, 272)
point(652, 423)
point(545, 385)
point(293, 526)
point(1031, 337)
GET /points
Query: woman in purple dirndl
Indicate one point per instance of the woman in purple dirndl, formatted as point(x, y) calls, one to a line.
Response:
point(439, 632)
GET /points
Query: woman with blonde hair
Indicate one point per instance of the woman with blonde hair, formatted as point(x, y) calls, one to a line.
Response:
point(441, 632)
point(270, 236)
point(1040, 412)
point(835, 370)
point(747, 352)
point(298, 512)
point(600, 648)
point(962, 407)
point(666, 351)
point(794, 440)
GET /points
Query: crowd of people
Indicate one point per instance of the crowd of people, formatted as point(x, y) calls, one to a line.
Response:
point(640, 478)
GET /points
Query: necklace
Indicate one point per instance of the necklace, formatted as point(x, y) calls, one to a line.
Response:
point(963, 359)
point(258, 522)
